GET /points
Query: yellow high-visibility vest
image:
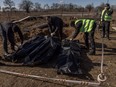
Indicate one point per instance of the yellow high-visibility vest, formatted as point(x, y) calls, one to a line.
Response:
point(87, 24)
point(105, 16)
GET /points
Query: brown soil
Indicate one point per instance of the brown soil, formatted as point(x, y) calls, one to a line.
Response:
point(92, 64)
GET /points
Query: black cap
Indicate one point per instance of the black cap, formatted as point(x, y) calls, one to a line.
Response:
point(107, 5)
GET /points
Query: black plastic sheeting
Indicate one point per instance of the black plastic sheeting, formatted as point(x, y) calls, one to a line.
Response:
point(37, 51)
point(70, 59)
point(27, 48)
point(42, 50)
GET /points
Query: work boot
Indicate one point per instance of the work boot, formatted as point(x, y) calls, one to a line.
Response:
point(91, 52)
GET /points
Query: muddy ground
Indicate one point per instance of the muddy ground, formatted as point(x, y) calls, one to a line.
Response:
point(90, 64)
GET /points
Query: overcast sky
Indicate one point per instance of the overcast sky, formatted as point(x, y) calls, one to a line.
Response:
point(78, 2)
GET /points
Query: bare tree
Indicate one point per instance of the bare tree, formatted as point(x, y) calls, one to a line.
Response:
point(55, 6)
point(14, 9)
point(26, 5)
point(89, 7)
point(37, 6)
point(9, 4)
point(80, 8)
point(71, 7)
point(46, 6)
point(100, 7)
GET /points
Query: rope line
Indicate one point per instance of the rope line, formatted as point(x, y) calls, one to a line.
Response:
point(102, 60)
point(49, 79)
point(101, 77)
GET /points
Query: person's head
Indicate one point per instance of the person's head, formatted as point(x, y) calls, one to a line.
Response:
point(107, 6)
point(72, 23)
point(49, 20)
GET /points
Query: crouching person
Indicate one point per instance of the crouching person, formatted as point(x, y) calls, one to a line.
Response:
point(7, 32)
point(87, 26)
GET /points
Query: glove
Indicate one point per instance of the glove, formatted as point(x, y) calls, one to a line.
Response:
point(52, 34)
point(71, 39)
point(17, 46)
point(46, 37)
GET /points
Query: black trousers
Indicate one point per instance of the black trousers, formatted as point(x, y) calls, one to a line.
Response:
point(89, 36)
point(5, 39)
point(106, 29)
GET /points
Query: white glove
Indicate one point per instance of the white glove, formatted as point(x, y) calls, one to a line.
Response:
point(52, 34)
point(46, 37)
point(71, 39)
point(17, 46)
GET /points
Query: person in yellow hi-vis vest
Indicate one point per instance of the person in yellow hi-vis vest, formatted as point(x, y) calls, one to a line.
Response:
point(88, 27)
point(106, 18)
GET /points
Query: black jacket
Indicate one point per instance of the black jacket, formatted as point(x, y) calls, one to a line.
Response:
point(55, 24)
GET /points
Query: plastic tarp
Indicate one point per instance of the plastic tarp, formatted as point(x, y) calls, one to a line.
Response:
point(25, 49)
point(43, 50)
point(37, 51)
point(70, 59)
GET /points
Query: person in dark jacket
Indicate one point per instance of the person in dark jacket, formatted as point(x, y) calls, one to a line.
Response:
point(88, 27)
point(106, 18)
point(7, 32)
point(55, 25)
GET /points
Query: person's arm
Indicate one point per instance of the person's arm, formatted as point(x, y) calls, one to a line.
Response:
point(110, 12)
point(50, 28)
point(56, 30)
point(77, 29)
point(75, 33)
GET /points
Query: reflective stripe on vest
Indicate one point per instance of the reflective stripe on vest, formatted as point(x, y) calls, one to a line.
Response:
point(87, 25)
point(106, 16)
